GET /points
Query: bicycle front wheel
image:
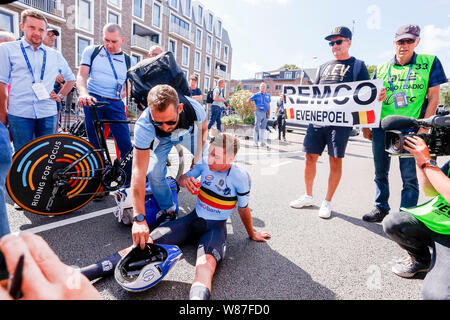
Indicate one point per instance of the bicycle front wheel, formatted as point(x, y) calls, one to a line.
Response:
point(55, 174)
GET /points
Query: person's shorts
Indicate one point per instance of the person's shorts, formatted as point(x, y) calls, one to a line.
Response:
point(335, 138)
point(210, 234)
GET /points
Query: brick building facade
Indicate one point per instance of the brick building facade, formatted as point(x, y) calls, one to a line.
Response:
point(200, 43)
point(274, 80)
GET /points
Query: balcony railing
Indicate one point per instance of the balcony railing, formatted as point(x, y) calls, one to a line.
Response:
point(174, 28)
point(142, 42)
point(222, 74)
point(49, 6)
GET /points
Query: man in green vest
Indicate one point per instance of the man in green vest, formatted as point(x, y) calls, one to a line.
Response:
point(412, 83)
point(428, 225)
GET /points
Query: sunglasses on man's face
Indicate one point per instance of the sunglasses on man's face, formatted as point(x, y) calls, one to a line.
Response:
point(160, 123)
point(338, 42)
point(403, 41)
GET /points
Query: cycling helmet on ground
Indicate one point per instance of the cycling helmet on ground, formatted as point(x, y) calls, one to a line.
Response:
point(140, 269)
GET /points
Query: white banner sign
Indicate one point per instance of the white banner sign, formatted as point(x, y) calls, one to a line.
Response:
point(343, 104)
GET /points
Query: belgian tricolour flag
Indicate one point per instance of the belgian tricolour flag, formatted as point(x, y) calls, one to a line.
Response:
point(363, 117)
point(290, 113)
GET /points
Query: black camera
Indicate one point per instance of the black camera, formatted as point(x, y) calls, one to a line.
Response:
point(438, 140)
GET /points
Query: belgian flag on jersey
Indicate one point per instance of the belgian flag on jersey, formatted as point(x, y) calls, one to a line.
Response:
point(215, 200)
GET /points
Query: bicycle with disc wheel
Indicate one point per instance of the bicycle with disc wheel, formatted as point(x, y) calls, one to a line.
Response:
point(60, 173)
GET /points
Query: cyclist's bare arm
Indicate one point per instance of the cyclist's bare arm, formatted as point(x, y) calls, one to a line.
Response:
point(141, 160)
point(202, 134)
point(3, 103)
point(140, 230)
point(82, 76)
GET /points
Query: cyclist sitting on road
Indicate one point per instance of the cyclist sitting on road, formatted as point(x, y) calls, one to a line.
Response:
point(223, 186)
point(103, 79)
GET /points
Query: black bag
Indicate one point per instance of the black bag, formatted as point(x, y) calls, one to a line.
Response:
point(210, 96)
point(148, 73)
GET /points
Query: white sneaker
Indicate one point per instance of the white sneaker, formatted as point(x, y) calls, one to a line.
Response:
point(325, 210)
point(303, 201)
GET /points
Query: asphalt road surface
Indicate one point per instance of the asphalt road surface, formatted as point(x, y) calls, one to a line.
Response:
point(306, 258)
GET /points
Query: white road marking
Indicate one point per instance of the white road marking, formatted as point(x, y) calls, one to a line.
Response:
point(54, 225)
point(275, 165)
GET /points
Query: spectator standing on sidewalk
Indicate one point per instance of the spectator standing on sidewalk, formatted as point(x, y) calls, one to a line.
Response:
point(31, 69)
point(262, 109)
point(5, 155)
point(196, 93)
point(344, 68)
point(217, 105)
point(49, 41)
point(414, 79)
point(280, 113)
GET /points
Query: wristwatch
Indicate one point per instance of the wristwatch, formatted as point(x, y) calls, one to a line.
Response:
point(61, 96)
point(429, 163)
point(139, 218)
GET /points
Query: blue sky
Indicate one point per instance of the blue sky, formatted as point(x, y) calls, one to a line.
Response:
point(265, 34)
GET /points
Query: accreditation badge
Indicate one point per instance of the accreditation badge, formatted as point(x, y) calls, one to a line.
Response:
point(401, 100)
point(118, 90)
point(40, 91)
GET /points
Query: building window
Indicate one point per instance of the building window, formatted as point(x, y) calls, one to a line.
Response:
point(172, 47)
point(82, 43)
point(207, 84)
point(200, 15)
point(6, 22)
point(115, 3)
point(179, 26)
point(219, 29)
point(135, 58)
point(186, 73)
point(225, 53)
point(138, 9)
point(198, 38)
point(187, 8)
point(218, 47)
point(85, 16)
point(174, 4)
point(210, 22)
point(208, 65)
point(197, 61)
point(288, 75)
point(185, 56)
point(209, 44)
point(113, 17)
point(278, 87)
point(156, 15)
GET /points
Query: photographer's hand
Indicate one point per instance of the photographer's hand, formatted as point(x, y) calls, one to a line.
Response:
point(418, 148)
point(45, 277)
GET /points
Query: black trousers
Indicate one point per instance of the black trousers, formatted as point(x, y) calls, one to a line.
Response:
point(281, 120)
point(413, 236)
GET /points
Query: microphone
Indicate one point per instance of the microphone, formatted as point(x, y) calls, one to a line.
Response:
point(398, 123)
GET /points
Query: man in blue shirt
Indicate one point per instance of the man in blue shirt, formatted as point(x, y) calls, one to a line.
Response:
point(196, 93)
point(31, 69)
point(104, 79)
point(262, 108)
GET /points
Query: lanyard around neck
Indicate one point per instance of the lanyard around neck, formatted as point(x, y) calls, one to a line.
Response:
point(112, 65)
point(44, 62)
point(406, 81)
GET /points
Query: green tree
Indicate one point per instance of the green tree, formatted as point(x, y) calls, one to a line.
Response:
point(239, 102)
point(290, 67)
point(445, 96)
point(371, 69)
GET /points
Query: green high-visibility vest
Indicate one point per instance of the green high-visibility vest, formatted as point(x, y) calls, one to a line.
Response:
point(435, 214)
point(416, 90)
